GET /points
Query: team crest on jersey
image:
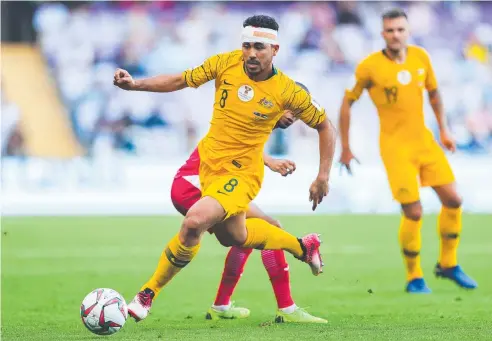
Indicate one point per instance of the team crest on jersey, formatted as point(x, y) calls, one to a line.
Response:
point(245, 93)
point(266, 103)
point(404, 77)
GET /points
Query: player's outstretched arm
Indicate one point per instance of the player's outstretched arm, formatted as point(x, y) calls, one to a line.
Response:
point(344, 128)
point(362, 81)
point(327, 140)
point(161, 83)
point(312, 114)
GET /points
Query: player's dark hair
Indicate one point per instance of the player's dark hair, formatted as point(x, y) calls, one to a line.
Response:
point(263, 21)
point(394, 13)
point(303, 86)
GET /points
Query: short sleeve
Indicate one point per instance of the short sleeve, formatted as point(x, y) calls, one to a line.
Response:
point(361, 81)
point(205, 72)
point(430, 79)
point(301, 103)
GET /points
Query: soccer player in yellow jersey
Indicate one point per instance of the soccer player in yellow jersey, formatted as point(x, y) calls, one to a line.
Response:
point(396, 78)
point(251, 95)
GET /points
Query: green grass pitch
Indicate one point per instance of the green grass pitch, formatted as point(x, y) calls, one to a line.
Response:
point(50, 264)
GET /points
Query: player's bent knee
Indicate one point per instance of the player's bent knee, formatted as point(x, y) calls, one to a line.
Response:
point(415, 216)
point(191, 222)
point(412, 211)
point(448, 195)
point(192, 226)
point(453, 202)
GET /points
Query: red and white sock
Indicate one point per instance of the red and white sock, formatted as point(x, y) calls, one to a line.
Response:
point(233, 269)
point(278, 271)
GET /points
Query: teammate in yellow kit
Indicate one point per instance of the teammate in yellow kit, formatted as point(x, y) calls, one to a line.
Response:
point(396, 78)
point(251, 95)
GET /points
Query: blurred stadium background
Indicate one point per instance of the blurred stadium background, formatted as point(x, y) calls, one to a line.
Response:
point(73, 143)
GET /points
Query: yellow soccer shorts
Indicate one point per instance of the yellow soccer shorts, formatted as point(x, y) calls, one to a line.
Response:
point(404, 169)
point(234, 192)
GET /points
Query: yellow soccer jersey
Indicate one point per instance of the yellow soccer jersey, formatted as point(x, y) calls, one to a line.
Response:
point(245, 111)
point(397, 90)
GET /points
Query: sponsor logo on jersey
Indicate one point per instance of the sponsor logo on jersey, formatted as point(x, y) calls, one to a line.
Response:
point(260, 116)
point(404, 77)
point(245, 93)
point(421, 71)
point(266, 103)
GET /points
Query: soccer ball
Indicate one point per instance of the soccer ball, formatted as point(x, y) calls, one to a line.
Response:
point(104, 311)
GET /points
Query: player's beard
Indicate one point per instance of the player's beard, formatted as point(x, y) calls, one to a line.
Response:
point(396, 51)
point(253, 69)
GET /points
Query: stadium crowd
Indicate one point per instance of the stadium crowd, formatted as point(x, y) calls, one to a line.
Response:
point(12, 139)
point(320, 45)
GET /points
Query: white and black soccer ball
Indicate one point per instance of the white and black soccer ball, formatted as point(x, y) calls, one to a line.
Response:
point(104, 311)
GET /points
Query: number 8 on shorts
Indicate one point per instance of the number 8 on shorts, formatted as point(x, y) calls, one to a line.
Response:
point(229, 186)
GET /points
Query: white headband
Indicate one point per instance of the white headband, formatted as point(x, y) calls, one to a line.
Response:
point(259, 35)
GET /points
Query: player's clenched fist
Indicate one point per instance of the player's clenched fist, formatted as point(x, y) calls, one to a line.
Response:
point(318, 190)
point(123, 80)
point(284, 167)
